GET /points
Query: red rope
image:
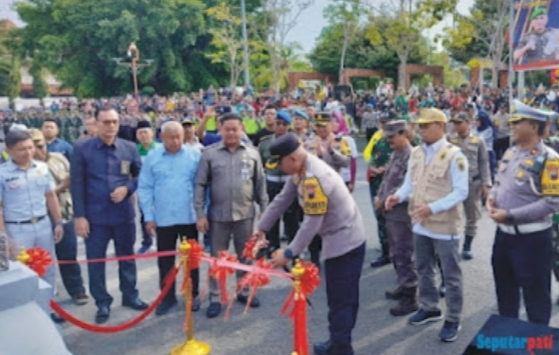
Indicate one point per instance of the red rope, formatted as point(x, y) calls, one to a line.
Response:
point(118, 328)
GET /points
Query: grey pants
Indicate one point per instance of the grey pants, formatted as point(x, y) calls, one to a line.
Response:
point(220, 234)
point(400, 238)
point(472, 208)
point(426, 252)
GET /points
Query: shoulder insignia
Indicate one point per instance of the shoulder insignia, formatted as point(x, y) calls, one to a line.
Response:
point(454, 140)
point(344, 147)
point(315, 201)
point(475, 139)
point(443, 156)
point(508, 155)
point(550, 178)
point(265, 138)
point(461, 164)
point(534, 151)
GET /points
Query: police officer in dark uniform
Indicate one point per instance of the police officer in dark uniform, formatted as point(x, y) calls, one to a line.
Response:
point(522, 202)
point(330, 212)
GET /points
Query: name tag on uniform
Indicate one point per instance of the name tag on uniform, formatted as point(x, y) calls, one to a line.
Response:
point(550, 178)
point(315, 202)
point(125, 167)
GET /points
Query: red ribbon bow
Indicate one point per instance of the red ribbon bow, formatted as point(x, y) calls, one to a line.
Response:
point(220, 273)
point(255, 279)
point(195, 254)
point(250, 245)
point(309, 283)
point(39, 260)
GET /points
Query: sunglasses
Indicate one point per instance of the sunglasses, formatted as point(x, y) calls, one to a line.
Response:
point(282, 123)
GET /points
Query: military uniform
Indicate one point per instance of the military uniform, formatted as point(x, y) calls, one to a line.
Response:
point(331, 212)
point(478, 176)
point(398, 226)
point(24, 207)
point(527, 188)
point(275, 180)
point(379, 156)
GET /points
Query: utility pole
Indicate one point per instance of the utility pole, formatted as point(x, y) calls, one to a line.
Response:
point(245, 44)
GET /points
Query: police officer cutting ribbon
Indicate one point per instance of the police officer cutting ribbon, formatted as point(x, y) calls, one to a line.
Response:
point(522, 202)
point(329, 211)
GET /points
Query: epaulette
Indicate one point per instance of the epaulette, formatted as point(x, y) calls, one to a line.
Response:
point(265, 138)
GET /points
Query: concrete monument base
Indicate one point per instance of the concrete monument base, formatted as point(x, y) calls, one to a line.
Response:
point(25, 324)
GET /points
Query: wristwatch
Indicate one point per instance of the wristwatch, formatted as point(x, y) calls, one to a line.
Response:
point(509, 218)
point(288, 254)
point(59, 223)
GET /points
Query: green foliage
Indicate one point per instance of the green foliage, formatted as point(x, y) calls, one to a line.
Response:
point(80, 38)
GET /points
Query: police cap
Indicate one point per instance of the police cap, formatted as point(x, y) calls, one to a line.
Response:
point(322, 118)
point(284, 116)
point(520, 111)
point(36, 134)
point(300, 113)
point(282, 147)
point(460, 117)
point(394, 127)
point(388, 115)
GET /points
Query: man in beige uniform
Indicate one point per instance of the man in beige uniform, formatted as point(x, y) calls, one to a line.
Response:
point(478, 173)
point(331, 212)
point(436, 184)
point(59, 168)
point(334, 152)
point(233, 173)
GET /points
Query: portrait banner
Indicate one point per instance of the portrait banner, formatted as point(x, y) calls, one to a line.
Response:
point(535, 34)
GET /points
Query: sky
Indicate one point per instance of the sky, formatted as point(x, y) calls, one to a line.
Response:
point(306, 31)
point(311, 23)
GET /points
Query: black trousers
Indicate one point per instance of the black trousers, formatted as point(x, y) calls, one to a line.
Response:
point(167, 238)
point(290, 217)
point(500, 146)
point(523, 262)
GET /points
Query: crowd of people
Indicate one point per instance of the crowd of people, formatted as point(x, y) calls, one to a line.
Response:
point(216, 163)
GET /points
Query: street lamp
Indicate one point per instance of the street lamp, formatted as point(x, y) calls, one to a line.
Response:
point(134, 54)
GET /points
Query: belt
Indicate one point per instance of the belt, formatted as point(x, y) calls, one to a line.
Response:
point(524, 228)
point(476, 178)
point(273, 178)
point(29, 221)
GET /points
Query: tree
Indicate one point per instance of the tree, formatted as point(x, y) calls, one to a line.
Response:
point(280, 16)
point(345, 16)
point(481, 34)
point(83, 36)
point(398, 23)
point(227, 40)
point(361, 54)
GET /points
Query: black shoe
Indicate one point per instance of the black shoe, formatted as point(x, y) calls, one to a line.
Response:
point(467, 255)
point(80, 298)
point(396, 294)
point(331, 348)
point(423, 317)
point(136, 304)
point(165, 307)
point(254, 303)
point(213, 310)
point(450, 331)
point(380, 261)
point(102, 315)
point(56, 318)
point(196, 304)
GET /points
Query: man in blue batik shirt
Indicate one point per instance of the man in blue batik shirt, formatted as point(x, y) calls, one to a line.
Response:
point(166, 193)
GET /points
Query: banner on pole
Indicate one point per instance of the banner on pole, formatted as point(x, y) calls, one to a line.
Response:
point(535, 36)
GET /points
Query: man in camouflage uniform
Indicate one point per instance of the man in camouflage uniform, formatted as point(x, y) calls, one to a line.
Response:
point(478, 172)
point(334, 152)
point(398, 221)
point(541, 43)
point(380, 151)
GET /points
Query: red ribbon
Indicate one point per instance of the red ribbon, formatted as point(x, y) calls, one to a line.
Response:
point(195, 255)
point(221, 272)
point(118, 328)
point(255, 279)
point(121, 258)
point(39, 260)
point(250, 245)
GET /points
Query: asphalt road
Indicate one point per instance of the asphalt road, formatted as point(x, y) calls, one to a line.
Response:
point(263, 331)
